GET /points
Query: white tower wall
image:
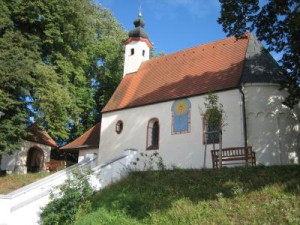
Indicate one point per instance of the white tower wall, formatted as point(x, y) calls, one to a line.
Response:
point(136, 52)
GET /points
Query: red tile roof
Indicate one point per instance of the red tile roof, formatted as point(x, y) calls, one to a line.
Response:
point(209, 67)
point(89, 139)
point(39, 135)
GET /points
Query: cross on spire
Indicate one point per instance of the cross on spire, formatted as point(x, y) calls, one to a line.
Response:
point(140, 11)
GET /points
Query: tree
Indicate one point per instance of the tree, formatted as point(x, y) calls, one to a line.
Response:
point(17, 58)
point(214, 121)
point(60, 61)
point(277, 23)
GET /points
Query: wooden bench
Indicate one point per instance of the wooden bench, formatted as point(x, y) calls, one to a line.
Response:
point(55, 165)
point(234, 155)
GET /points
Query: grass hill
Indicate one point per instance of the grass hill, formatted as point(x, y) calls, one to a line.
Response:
point(12, 182)
point(244, 195)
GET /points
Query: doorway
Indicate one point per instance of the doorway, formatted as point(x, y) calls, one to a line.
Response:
point(35, 160)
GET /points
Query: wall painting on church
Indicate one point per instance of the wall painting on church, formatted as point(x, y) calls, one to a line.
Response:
point(181, 116)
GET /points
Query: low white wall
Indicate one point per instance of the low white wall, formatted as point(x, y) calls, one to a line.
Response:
point(83, 153)
point(23, 206)
point(182, 150)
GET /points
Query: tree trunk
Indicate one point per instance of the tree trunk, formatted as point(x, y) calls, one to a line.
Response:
point(220, 149)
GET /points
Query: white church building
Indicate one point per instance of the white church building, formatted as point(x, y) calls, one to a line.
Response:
point(159, 104)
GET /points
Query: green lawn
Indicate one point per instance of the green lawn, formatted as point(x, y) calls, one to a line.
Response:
point(245, 195)
point(12, 182)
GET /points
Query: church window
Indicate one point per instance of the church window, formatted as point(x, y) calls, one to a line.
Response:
point(181, 116)
point(119, 127)
point(144, 52)
point(132, 51)
point(212, 127)
point(153, 134)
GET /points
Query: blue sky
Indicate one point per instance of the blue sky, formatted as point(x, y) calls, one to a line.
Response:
point(172, 25)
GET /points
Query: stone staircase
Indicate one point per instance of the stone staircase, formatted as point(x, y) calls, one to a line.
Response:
point(23, 205)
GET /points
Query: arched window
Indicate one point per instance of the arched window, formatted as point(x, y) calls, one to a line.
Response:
point(212, 127)
point(153, 134)
point(144, 52)
point(119, 126)
point(132, 51)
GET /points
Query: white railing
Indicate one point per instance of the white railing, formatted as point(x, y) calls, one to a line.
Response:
point(23, 205)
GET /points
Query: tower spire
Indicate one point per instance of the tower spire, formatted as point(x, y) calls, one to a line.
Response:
point(139, 25)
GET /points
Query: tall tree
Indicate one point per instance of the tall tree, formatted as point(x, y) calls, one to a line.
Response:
point(17, 59)
point(277, 23)
point(60, 61)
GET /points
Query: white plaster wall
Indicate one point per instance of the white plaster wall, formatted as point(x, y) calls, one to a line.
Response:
point(133, 62)
point(83, 153)
point(182, 150)
point(272, 128)
point(17, 162)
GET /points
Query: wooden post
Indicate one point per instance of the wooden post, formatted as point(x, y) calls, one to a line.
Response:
point(220, 148)
point(204, 161)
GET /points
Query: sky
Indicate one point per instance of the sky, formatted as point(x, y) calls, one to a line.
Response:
point(172, 25)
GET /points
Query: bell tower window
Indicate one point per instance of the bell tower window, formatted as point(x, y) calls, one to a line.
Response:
point(132, 51)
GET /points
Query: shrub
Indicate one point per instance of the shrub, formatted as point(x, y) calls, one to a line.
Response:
point(148, 162)
point(68, 201)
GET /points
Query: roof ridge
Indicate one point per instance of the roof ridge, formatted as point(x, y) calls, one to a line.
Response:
point(197, 46)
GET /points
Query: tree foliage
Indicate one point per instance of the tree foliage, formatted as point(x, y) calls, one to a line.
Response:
point(215, 118)
point(60, 61)
point(277, 23)
point(214, 109)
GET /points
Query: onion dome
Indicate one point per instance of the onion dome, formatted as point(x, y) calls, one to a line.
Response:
point(138, 31)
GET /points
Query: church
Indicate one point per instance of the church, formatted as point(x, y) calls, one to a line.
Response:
point(159, 104)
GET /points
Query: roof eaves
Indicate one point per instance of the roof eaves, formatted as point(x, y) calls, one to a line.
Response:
point(173, 99)
point(80, 147)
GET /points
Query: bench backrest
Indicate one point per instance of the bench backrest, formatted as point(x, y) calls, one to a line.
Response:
point(235, 151)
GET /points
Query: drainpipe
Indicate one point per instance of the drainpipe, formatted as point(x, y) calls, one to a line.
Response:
point(244, 117)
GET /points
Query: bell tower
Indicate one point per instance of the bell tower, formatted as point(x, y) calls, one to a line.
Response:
point(137, 47)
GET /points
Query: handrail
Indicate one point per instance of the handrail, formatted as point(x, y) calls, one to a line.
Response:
point(46, 180)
